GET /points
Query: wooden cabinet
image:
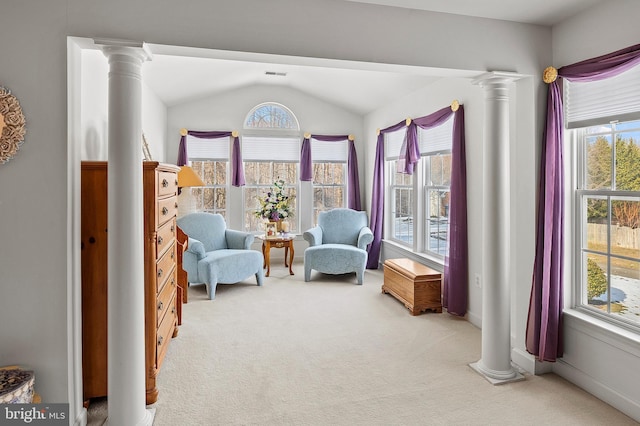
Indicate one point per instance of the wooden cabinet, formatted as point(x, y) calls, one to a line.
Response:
point(160, 272)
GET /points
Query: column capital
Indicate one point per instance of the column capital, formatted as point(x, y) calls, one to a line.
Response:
point(134, 49)
point(500, 78)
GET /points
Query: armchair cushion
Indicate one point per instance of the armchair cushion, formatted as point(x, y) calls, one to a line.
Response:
point(216, 254)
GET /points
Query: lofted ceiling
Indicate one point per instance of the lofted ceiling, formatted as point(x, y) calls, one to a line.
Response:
point(184, 75)
point(179, 75)
point(539, 12)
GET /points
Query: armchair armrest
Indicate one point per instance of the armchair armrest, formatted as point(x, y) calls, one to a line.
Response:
point(313, 236)
point(196, 248)
point(365, 238)
point(238, 239)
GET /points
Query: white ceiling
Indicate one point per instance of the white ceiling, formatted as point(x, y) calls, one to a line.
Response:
point(540, 12)
point(179, 79)
point(179, 75)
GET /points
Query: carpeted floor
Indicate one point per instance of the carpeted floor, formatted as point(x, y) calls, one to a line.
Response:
point(330, 352)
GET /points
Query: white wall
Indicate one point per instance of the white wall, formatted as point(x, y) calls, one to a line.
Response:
point(603, 359)
point(94, 111)
point(603, 29)
point(95, 103)
point(37, 195)
point(154, 123)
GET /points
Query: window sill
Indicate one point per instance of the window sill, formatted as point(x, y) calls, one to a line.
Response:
point(430, 261)
point(611, 334)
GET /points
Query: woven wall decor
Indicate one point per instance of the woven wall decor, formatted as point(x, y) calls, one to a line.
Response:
point(12, 125)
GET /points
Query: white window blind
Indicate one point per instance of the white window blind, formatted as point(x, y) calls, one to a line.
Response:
point(393, 143)
point(329, 152)
point(597, 102)
point(215, 149)
point(271, 148)
point(436, 139)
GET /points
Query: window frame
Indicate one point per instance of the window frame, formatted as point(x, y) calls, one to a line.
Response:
point(266, 133)
point(392, 188)
point(200, 197)
point(262, 188)
point(428, 186)
point(324, 185)
point(579, 139)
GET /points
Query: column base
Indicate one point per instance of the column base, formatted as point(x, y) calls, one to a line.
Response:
point(496, 377)
point(147, 420)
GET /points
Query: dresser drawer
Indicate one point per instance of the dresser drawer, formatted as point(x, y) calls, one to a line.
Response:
point(164, 334)
point(166, 236)
point(167, 183)
point(165, 267)
point(165, 297)
point(167, 209)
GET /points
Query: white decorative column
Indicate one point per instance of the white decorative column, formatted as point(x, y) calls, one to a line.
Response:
point(495, 363)
point(126, 349)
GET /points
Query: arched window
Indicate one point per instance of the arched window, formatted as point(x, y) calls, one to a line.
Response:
point(271, 115)
point(270, 152)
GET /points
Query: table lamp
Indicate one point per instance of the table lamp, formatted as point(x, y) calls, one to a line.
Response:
point(186, 179)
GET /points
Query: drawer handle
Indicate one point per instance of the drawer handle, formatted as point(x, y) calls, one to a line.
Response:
point(165, 211)
point(176, 205)
point(173, 310)
point(173, 229)
point(173, 254)
point(160, 240)
point(160, 340)
point(160, 272)
point(176, 182)
point(160, 305)
point(173, 282)
point(165, 183)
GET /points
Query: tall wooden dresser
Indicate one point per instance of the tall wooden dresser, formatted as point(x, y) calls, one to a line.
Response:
point(160, 272)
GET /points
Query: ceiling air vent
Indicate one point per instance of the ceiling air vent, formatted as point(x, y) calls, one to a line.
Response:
point(280, 74)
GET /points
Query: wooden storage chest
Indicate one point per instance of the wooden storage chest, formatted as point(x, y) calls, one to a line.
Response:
point(417, 286)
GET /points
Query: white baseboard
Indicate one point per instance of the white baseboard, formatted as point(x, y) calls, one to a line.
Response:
point(474, 319)
point(529, 363)
point(599, 390)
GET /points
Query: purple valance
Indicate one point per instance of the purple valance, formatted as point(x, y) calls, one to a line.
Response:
point(237, 170)
point(456, 281)
point(353, 182)
point(602, 67)
point(544, 323)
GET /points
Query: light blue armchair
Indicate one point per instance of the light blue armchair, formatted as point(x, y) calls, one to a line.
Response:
point(216, 254)
point(337, 245)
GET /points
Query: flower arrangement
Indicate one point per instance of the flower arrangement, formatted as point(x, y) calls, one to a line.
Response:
point(275, 206)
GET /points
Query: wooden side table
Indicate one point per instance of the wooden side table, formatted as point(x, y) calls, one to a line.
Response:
point(277, 242)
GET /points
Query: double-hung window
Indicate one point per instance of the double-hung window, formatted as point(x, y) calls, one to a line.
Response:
point(400, 190)
point(270, 151)
point(606, 127)
point(419, 203)
point(435, 148)
point(209, 158)
point(329, 175)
